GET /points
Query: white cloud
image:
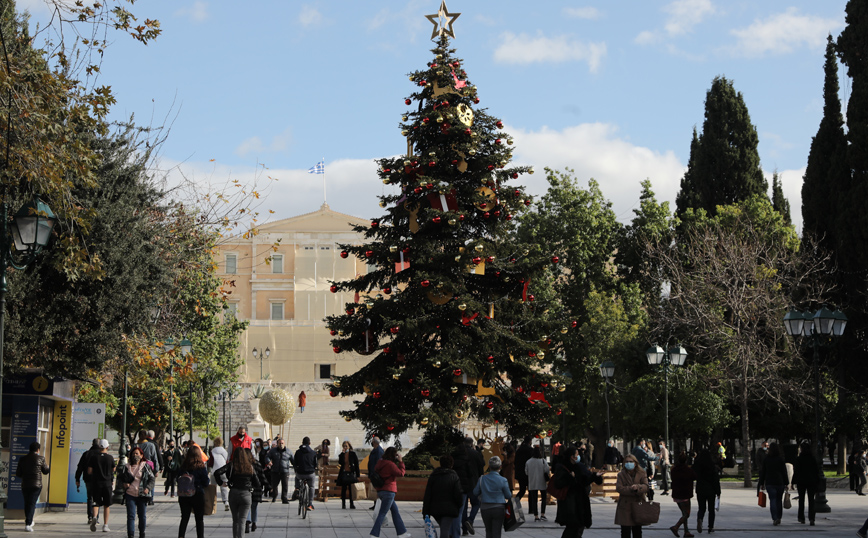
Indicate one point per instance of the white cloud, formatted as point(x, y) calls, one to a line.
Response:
point(255, 147)
point(791, 183)
point(684, 15)
point(197, 11)
point(309, 15)
point(647, 37)
point(524, 49)
point(783, 33)
point(583, 12)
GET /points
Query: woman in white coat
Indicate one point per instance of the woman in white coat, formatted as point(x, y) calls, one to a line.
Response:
point(219, 457)
point(537, 469)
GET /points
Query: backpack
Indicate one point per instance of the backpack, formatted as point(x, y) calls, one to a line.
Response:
point(186, 485)
point(376, 480)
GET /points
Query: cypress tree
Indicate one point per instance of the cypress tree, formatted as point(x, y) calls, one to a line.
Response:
point(688, 195)
point(725, 163)
point(779, 201)
point(825, 174)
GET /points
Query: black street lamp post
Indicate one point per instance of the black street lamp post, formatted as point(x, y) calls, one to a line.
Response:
point(675, 356)
point(265, 354)
point(818, 329)
point(607, 369)
point(29, 231)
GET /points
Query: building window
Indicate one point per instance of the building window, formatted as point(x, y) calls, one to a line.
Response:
point(277, 263)
point(277, 311)
point(324, 372)
point(231, 264)
point(231, 310)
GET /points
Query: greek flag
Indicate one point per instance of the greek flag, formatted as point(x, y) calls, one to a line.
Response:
point(318, 169)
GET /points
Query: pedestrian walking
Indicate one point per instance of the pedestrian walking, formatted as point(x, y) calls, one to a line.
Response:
point(239, 440)
point(101, 469)
point(632, 486)
point(612, 457)
point(193, 478)
point(665, 467)
point(443, 495)
point(493, 490)
point(574, 511)
point(761, 456)
point(537, 469)
point(470, 466)
point(81, 474)
point(305, 467)
point(806, 477)
point(522, 455)
point(138, 479)
point(774, 479)
point(149, 449)
point(682, 491)
point(255, 495)
point(241, 477)
point(707, 488)
point(302, 402)
point(507, 468)
point(860, 467)
point(644, 458)
point(172, 459)
point(219, 458)
point(281, 462)
point(30, 470)
point(374, 456)
point(390, 467)
point(260, 450)
point(348, 474)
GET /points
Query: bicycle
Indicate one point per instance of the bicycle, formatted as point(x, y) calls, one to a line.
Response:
point(303, 498)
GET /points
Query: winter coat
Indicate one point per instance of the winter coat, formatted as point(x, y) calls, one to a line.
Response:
point(256, 494)
point(536, 469)
point(31, 467)
point(508, 468)
point(682, 482)
point(151, 454)
point(469, 465)
point(146, 482)
point(805, 471)
point(83, 463)
point(707, 480)
point(305, 460)
point(282, 460)
point(524, 453)
point(612, 456)
point(492, 488)
point(353, 466)
point(627, 497)
point(644, 456)
point(443, 494)
point(773, 473)
point(389, 471)
point(575, 509)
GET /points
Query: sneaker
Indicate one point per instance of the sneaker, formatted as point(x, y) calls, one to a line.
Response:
point(106, 529)
point(225, 507)
point(28, 528)
point(861, 534)
point(310, 508)
point(543, 517)
point(405, 535)
point(93, 525)
point(469, 527)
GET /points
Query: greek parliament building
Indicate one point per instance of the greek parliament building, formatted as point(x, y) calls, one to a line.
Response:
point(279, 281)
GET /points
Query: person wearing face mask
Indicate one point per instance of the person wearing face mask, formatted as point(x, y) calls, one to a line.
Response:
point(260, 450)
point(574, 512)
point(138, 481)
point(632, 486)
point(348, 474)
point(612, 458)
point(665, 467)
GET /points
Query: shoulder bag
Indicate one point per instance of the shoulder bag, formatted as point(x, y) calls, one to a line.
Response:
point(556, 492)
point(645, 512)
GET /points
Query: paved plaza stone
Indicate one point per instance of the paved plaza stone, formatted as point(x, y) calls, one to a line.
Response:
point(738, 516)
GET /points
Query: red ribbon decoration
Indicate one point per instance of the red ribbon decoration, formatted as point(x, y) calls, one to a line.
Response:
point(466, 320)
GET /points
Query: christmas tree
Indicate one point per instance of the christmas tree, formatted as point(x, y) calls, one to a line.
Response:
point(448, 310)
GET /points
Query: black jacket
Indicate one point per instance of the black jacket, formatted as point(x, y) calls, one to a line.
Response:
point(469, 465)
point(707, 480)
point(237, 481)
point(30, 470)
point(256, 495)
point(576, 508)
point(774, 472)
point(353, 463)
point(443, 494)
point(805, 471)
point(305, 460)
point(524, 453)
point(83, 462)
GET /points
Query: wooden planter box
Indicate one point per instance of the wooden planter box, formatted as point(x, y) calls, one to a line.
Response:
point(410, 488)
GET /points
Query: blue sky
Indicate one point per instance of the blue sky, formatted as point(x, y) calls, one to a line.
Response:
point(611, 89)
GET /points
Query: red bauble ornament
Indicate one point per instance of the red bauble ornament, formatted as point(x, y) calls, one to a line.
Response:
point(457, 372)
point(444, 127)
point(496, 213)
point(406, 250)
point(425, 283)
point(445, 104)
point(369, 253)
point(468, 131)
point(394, 330)
point(423, 82)
point(387, 350)
point(461, 218)
point(512, 260)
point(417, 190)
point(544, 385)
point(549, 433)
point(519, 389)
point(432, 163)
point(486, 215)
point(499, 124)
point(377, 395)
point(574, 324)
point(387, 290)
point(426, 120)
point(333, 288)
point(531, 354)
point(489, 404)
point(515, 175)
point(407, 101)
point(497, 141)
point(555, 259)
point(527, 202)
point(344, 254)
point(491, 167)
point(490, 358)
point(436, 220)
point(476, 100)
point(351, 311)
point(374, 224)
point(560, 411)
point(508, 217)
point(489, 259)
point(336, 349)
point(454, 161)
point(476, 260)
point(464, 398)
point(530, 298)
point(333, 393)
point(425, 393)
point(483, 205)
point(386, 170)
point(517, 192)
point(333, 332)
point(390, 427)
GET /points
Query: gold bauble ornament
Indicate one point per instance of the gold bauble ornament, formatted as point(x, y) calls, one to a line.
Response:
point(472, 151)
point(439, 119)
point(509, 141)
point(479, 248)
point(393, 249)
point(454, 390)
point(462, 307)
point(459, 414)
point(432, 153)
point(404, 118)
point(340, 333)
point(473, 134)
point(458, 258)
point(348, 419)
point(564, 330)
point(406, 163)
point(530, 171)
point(424, 421)
point(439, 56)
point(396, 376)
point(412, 78)
point(452, 222)
point(382, 203)
point(337, 383)
point(437, 364)
point(277, 407)
point(562, 388)
point(526, 252)
point(385, 182)
point(541, 355)
point(404, 132)
point(543, 434)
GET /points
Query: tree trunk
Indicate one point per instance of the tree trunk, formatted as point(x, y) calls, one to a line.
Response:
point(745, 435)
point(842, 453)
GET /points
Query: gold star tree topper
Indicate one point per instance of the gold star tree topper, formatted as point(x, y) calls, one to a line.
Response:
point(443, 21)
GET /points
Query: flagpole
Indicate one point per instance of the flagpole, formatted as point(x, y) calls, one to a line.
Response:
point(324, 201)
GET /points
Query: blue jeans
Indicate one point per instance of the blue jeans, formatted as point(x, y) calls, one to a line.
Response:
point(776, 497)
point(387, 504)
point(251, 515)
point(456, 524)
point(474, 508)
point(136, 505)
point(31, 497)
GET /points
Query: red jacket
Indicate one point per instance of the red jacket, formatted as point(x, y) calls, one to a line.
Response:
point(238, 443)
point(390, 472)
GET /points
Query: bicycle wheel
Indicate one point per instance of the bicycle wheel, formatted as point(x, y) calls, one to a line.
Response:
point(303, 500)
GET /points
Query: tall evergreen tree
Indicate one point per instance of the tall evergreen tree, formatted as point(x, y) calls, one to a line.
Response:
point(454, 310)
point(826, 172)
point(725, 164)
point(779, 201)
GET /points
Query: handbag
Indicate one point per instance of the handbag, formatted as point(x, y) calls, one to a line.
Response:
point(513, 515)
point(787, 502)
point(761, 498)
point(645, 512)
point(556, 492)
point(357, 491)
point(430, 529)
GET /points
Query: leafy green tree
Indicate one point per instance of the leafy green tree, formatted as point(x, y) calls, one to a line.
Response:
point(779, 201)
point(441, 333)
point(724, 166)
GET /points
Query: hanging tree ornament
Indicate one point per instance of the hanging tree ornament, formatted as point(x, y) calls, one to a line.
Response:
point(277, 407)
